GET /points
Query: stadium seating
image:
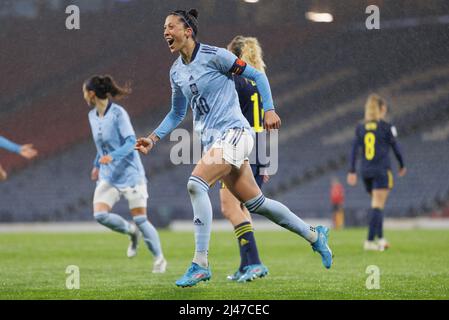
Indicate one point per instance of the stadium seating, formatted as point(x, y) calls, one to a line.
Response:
point(320, 84)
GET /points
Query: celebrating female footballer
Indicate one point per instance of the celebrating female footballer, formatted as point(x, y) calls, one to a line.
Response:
point(27, 151)
point(118, 167)
point(375, 137)
point(202, 77)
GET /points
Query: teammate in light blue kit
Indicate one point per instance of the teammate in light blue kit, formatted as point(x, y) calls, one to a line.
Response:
point(27, 151)
point(118, 168)
point(202, 78)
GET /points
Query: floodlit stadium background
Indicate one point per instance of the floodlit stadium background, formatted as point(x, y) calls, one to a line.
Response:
point(320, 73)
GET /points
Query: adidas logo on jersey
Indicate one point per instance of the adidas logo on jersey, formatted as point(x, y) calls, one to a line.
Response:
point(243, 242)
point(198, 222)
point(191, 78)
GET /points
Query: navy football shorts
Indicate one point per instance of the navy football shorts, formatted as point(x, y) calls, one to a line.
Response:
point(381, 180)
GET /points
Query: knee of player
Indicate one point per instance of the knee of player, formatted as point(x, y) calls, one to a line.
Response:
point(230, 207)
point(196, 186)
point(140, 219)
point(101, 216)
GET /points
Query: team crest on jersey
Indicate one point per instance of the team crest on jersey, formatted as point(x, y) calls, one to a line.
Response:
point(194, 89)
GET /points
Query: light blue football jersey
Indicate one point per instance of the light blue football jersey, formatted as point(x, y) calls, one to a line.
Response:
point(207, 86)
point(109, 134)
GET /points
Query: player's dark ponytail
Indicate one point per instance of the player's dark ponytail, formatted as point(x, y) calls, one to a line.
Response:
point(105, 86)
point(190, 19)
point(193, 13)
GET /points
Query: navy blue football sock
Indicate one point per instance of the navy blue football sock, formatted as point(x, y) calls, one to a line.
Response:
point(380, 222)
point(372, 224)
point(247, 245)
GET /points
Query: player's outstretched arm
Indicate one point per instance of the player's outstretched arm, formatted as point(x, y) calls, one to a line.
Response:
point(144, 145)
point(171, 121)
point(28, 151)
point(9, 145)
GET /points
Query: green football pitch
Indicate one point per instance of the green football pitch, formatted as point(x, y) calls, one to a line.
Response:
point(33, 266)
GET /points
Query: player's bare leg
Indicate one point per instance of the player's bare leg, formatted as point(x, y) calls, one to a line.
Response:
point(379, 198)
point(232, 208)
point(212, 166)
point(101, 207)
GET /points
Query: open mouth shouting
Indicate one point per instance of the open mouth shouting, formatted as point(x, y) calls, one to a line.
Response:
point(170, 42)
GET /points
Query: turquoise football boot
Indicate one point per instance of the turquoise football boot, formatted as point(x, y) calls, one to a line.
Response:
point(235, 276)
point(252, 272)
point(322, 247)
point(193, 275)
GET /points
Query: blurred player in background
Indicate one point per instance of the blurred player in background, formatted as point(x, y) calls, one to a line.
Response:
point(248, 49)
point(27, 151)
point(118, 168)
point(337, 197)
point(201, 77)
point(375, 137)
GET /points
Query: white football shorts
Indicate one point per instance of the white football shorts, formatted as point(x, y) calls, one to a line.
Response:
point(236, 144)
point(136, 196)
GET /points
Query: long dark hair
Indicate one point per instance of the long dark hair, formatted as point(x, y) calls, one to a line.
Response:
point(190, 19)
point(105, 86)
